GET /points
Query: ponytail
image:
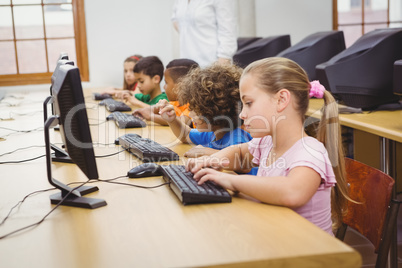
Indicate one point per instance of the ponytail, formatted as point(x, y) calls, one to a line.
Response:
point(329, 133)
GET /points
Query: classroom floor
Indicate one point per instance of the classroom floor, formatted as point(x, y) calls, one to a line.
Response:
point(366, 249)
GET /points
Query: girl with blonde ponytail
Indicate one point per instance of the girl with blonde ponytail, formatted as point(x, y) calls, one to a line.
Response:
point(304, 173)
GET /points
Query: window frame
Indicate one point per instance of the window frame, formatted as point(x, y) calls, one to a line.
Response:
point(363, 23)
point(80, 38)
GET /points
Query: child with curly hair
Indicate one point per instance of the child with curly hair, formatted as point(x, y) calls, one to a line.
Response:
point(214, 103)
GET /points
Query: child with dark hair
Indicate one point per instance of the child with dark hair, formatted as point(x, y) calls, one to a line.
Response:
point(175, 70)
point(149, 74)
point(214, 103)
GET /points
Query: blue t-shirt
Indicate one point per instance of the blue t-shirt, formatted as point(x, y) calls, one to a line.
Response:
point(207, 139)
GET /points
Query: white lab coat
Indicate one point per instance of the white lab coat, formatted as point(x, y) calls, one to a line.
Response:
point(207, 29)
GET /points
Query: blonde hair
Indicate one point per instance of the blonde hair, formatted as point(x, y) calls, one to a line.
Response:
point(276, 73)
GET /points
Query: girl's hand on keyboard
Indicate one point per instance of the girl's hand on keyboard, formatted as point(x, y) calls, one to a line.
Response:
point(221, 178)
point(196, 164)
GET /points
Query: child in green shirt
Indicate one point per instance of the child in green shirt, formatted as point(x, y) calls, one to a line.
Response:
point(149, 74)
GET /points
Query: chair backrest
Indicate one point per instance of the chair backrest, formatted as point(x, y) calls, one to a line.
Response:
point(372, 189)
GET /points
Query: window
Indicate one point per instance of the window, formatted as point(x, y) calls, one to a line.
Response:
point(357, 17)
point(33, 33)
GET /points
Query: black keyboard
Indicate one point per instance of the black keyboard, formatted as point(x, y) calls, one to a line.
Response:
point(146, 149)
point(123, 120)
point(114, 105)
point(99, 96)
point(187, 189)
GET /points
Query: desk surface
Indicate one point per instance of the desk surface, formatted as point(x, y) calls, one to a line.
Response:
point(142, 227)
point(387, 124)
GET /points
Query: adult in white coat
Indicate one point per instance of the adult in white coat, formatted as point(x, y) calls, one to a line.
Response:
point(207, 30)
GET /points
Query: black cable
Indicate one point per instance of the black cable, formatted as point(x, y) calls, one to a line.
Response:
point(104, 144)
point(61, 201)
point(132, 185)
point(97, 124)
point(22, 161)
point(33, 146)
point(100, 156)
point(22, 201)
point(19, 131)
point(41, 220)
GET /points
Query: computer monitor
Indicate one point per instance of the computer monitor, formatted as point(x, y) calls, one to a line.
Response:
point(60, 155)
point(397, 81)
point(245, 41)
point(361, 76)
point(262, 48)
point(70, 113)
point(315, 49)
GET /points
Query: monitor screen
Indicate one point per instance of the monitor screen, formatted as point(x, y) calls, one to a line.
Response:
point(361, 76)
point(315, 49)
point(71, 115)
point(261, 48)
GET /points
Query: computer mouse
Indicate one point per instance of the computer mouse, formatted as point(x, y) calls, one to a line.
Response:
point(145, 170)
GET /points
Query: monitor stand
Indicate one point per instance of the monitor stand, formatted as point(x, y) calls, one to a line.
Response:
point(60, 155)
point(68, 196)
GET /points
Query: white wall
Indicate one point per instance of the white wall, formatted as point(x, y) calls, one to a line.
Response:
point(116, 29)
point(299, 18)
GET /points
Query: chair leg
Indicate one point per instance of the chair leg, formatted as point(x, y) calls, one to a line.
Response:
point(340, 233)
point(390, 225)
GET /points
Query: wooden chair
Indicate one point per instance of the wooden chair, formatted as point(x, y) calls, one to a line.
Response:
point(376, 213)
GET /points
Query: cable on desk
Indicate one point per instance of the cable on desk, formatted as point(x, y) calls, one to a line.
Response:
point(30, 113)
point(20, 131)
point(33, 146)
point(107, 155)
point(22, 161)
point(97, 124)
point(104, 144)
point(132, 185)
point(61, 201)
point(41, 220)
point(22, 201)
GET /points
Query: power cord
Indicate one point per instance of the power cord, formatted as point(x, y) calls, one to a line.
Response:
point(24, 148)
point(22, 161)
point(41, 220)
point(61, 201)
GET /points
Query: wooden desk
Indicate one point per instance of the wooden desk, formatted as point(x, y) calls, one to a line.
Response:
point(146, 228)
point(387, 125)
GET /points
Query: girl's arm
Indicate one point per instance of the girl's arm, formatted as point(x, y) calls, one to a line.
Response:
point(236, 157)
point(199, 151)
point(292, 191)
